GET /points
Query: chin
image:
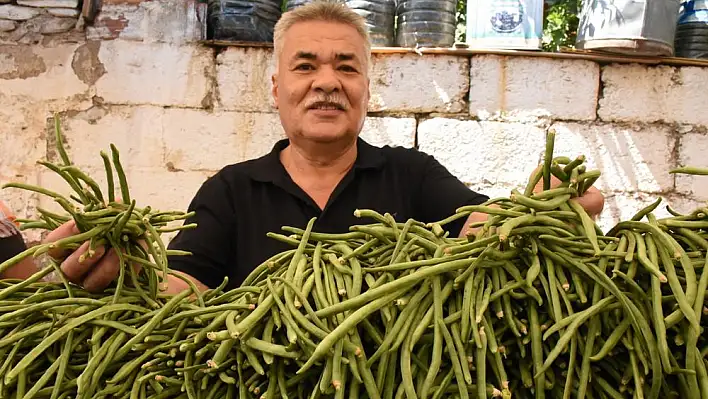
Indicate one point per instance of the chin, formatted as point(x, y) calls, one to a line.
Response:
point(325, 134)
point(325, 137)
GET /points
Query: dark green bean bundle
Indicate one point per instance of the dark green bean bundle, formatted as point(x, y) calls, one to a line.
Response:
point(536, 302)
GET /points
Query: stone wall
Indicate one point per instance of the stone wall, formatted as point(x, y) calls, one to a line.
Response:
point(178, 110)
point(39, 21)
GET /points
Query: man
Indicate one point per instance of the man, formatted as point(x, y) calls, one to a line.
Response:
point(11, 242)
point(323, 169)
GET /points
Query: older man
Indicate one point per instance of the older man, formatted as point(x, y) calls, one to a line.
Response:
point(323, 169)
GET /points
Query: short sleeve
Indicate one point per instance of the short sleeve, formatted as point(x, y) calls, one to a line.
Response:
point(11, 246)
point(441, 194)
point(211, 243)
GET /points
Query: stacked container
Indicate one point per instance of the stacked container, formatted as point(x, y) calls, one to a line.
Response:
point(242, 20)
point(692, 30)
point(290, 4)
point(426, 23)
point(379, 15)
point(380, 18)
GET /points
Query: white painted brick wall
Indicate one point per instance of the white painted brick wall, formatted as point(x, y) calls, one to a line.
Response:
point(380, 131)
point(693, 152)
point(137, 132)
point(166, 190)
point(483, 117)
point(486, 153)
point(198, 140)
point(652, 94)
point(528, 88)
point(409, 83)
point(636, 158)
point(157, 74)
point(244, 79)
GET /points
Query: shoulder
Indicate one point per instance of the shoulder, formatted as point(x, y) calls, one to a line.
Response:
point(405, 155)
point(8, 227)
point(407, 160)
point(239, 173)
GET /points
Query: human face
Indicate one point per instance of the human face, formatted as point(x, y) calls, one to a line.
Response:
point(321, 86)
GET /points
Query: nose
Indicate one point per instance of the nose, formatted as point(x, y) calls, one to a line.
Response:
point(326, 80)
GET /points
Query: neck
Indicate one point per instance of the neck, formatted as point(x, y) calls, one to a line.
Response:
point(317, 159)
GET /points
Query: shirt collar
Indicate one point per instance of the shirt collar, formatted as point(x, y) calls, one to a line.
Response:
point(269, 169)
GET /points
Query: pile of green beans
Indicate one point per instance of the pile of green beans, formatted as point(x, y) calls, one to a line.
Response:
point(537, 301)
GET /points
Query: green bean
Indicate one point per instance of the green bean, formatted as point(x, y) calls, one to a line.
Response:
point(690, 170)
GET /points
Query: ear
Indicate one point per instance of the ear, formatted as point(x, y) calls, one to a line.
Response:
point(274, 89)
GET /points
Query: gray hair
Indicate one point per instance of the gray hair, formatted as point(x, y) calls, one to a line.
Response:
point(321, 10)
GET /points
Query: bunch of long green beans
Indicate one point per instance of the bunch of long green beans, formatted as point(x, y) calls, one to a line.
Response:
point(133, 232)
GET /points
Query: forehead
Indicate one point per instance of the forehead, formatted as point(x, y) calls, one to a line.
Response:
point(323, 39)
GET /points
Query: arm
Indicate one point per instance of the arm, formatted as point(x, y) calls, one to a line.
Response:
point(12, 244)
point(209, 243)
point(9, 247)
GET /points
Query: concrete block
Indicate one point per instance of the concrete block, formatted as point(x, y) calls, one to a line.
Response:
point(39, 73)
point(22, 141)
point(156, 74)
point(413, 83)
point(693, 151)
point(381, 131)
point(198, 140)
point(529, 88)
point(631, 158)
point(137, 133)
point(652, 94)
point(483, 154)
point(244, 79)
point(165, 190)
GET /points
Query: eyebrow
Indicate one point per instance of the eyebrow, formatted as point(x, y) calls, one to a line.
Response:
point(312, 56)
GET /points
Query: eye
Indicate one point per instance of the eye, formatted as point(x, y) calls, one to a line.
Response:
point(348, 68)
point(304, 67)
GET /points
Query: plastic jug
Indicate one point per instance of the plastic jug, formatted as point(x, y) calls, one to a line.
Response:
point(692, 31)
point(380, 16)
point(241, 20)
point(426, 23)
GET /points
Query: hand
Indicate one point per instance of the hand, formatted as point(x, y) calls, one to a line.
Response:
point(592, 200)
point(94, 273)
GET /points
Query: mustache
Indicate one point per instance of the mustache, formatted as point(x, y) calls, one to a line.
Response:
point(331, 100)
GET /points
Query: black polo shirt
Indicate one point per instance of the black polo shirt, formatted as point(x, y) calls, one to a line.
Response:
point(239, 205)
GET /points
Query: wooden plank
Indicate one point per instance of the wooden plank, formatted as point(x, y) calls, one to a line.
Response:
point(566, 53)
